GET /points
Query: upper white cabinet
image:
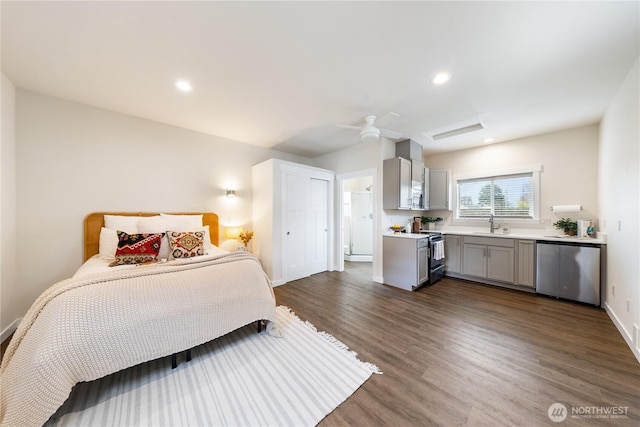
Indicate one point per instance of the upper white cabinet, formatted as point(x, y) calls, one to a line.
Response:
point(404, 184)
point(405, 179)
point(439, 189)
point(396, 189)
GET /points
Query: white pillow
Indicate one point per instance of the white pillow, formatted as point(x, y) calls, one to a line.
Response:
point(195, 221)
point(160, 224)
point(108, 244)
point(150, 224)
point(128, 224)
point(207, 238)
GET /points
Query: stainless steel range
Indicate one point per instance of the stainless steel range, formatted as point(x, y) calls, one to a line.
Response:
point(436, 256)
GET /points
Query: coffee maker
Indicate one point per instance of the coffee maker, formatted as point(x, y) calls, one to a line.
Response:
point(415, 226)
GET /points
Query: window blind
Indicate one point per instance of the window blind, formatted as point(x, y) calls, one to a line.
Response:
point(507, 196)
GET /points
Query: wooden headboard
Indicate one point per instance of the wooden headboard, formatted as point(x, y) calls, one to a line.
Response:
point(94, 222)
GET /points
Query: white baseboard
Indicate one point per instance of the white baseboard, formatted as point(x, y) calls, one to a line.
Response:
point(358, 258)
point(628, 338)
point(10, 329)
point(279, 282)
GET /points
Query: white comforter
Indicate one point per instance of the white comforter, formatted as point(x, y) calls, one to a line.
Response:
point(95, 324)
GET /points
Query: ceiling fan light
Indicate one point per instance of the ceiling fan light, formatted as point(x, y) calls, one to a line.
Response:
point(183, 85)
point(370, 135)
point(440, 78)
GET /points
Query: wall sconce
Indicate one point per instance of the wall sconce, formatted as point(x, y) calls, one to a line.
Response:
point(231, 194)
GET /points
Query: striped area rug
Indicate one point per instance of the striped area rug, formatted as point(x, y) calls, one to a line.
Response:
point(241, 379)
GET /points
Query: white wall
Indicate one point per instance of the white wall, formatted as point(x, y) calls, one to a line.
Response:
point(619, 188)
point(569, 160)
point(9, 310)
point(73, 159)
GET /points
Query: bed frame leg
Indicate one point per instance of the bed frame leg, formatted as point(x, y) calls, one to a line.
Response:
point(174, 358)
point(259, 326)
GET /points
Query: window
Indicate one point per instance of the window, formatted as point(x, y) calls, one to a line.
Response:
point(505, 196)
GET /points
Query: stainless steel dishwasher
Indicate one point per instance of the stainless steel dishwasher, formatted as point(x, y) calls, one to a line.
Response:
point(569, 270)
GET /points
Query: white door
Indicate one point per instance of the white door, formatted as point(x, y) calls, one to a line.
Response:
point(297, 190)
point(361, 224)
point(318, 218)
point(305, 227)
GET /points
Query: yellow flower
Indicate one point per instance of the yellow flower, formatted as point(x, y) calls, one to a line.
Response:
point(246, 236)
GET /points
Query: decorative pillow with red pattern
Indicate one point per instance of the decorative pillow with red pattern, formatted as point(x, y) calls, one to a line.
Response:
point(186, 244)
point(137, 248)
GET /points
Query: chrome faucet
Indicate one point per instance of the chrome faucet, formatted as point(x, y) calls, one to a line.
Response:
point(491, 227)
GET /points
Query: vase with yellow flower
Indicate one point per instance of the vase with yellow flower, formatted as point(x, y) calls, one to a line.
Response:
point(246, 237)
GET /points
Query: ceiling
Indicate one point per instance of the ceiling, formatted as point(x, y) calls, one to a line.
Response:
point(283, 74)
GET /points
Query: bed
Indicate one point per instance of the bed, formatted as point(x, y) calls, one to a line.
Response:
point(107, 318)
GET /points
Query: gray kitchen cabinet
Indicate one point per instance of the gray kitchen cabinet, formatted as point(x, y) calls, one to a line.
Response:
point(423, 264)
point(526, 263)
point(396, 188)
point(489, 258)
point(439, 189)
point(453, 256)
point(405, 261)
point(417, 185)
point(475, 260)
point(500, 264)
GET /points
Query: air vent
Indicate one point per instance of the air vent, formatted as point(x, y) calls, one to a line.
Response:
point(459, 131)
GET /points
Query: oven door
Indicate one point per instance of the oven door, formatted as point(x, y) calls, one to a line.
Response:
point(436, 266)
point(436, 274)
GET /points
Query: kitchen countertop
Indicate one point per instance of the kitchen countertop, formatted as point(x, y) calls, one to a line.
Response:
point(518, 235)
point(407, 235)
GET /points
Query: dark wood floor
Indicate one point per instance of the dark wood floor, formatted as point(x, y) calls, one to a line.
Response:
point(462, 353)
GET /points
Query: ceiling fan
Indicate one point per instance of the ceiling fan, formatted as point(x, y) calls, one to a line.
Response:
point(370, 132)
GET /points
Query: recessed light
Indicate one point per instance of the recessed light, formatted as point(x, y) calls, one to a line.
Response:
point(183, 85)
point(489, 140)
point(440, 78)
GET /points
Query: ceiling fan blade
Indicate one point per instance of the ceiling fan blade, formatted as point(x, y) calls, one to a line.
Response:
point(349, 127)
point(391, 134)
point(384, 116)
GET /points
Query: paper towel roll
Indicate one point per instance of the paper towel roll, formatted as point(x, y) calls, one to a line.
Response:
point(566, 208)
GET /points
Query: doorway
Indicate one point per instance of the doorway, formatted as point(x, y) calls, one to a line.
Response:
point(357, 221)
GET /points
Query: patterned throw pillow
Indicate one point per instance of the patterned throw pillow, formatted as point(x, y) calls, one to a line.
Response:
point(186, 244)
point(137, 248)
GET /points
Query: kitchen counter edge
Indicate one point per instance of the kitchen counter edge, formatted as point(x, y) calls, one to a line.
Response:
point(589, 240)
